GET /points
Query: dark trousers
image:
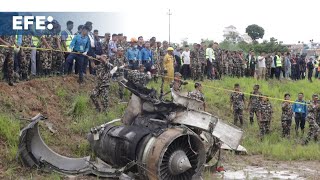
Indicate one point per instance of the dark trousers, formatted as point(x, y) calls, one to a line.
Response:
point(273, 72)
point(209, 69)
point(310, 71)
point(79, 63)
point(300, 119)
point(277, 73)
point(294, 74)
point(317, 73)
point(185, 71)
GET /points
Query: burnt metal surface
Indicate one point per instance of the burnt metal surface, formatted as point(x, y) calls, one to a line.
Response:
point(158, 139)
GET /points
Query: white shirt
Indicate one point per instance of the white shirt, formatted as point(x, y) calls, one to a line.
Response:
point(186, 57)
point(261, 62)
point(91, 39)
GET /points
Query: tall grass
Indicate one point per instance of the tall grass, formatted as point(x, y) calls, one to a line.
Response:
point(9, 133)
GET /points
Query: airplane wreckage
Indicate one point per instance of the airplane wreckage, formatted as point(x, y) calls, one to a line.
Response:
point(158, 139)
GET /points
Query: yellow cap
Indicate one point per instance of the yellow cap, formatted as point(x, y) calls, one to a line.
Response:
point(170, 49)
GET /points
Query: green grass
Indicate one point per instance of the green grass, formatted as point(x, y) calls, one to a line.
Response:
point(80, 106)
point(273, 146)
point(9, 132)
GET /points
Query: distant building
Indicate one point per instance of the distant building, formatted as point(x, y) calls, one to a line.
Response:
point(246, 38)
point(230, 33)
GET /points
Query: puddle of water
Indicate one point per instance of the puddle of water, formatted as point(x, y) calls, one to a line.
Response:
point(251, 172)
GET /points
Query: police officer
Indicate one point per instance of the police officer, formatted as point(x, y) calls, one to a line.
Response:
point(286, 117)
point(237, 104)
point(254, 101)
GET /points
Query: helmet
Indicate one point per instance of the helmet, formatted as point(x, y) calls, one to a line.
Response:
point(134, 40)
point(170, 49)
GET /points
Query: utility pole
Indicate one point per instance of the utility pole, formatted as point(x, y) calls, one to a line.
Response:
point(169, 14)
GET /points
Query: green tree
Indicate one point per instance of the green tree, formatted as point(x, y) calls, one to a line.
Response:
point(255, 32)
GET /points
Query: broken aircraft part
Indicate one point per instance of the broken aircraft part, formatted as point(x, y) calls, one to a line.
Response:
point(157, 140)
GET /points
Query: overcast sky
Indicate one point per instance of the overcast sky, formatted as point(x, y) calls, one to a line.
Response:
point(288, 21)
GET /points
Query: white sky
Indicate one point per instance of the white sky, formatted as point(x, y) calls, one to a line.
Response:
point(288, 21)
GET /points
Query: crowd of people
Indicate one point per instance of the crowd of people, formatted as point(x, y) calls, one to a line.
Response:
point(59, 52)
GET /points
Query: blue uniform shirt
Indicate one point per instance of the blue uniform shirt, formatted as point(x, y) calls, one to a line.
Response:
point(300, 107)
point(132, 54)
point(145, 55)
point(80, 43)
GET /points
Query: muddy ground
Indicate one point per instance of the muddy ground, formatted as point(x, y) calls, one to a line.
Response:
point(26, 99)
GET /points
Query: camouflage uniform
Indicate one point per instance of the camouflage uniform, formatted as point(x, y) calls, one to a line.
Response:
point(120, 61)
point(25, 55)
point(196, 95)
point(314, 130)
point(156, 61)
point(57, 56)
point(237, 100)
point(217, 64)
point(176, 85)
point(195, 65)
point(137, 78)
point(6, 54)
point(237, 67)
point(265, 111)
point(231, 66)
point(105, 47)
point(254, 105)
point(286, 118)
point(269, 62)
point(202, 59)
point(102, 87)
point(46, 55)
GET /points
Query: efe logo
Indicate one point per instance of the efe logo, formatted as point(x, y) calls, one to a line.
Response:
point(19, 22)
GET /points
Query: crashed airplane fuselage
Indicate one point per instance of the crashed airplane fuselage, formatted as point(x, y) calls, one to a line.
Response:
point(157, 139)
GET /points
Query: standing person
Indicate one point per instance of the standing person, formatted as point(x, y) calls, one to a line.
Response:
point(273, 66)
point(6, 56)
point(145, 57)
point(302, 67)
point(261, 66)
point(177, 56)
point(202, 59)
point(254, 101)
point(286, 117)
point(287, 65)
point(105, 43)
point(57, 56)
point(269, 62)
point(237, 105)
point(217, 63)
point(168, 64)
point(195, 63)
point(251, 64)
point(132, 54)
point(278, 65)
point(80, 44)
point(66, 37)
point(294, 68)
point(313, 111)
point(310, 68)
point(112, 48)
point(265, 115)
point(186, 62)
point(177, 83)
point(210, 58)
point(300, 111)
point(120, 60)
point(25, 55)
point(46, 55)
point(102, 84)
point(140, 43)
point(91, 50)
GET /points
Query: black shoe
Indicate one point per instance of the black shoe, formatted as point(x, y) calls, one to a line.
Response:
point(10, 83)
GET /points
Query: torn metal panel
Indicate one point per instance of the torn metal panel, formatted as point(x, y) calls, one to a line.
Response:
point(202, 120)
point(187, 102)
point(35, 153)
point(228, 134)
